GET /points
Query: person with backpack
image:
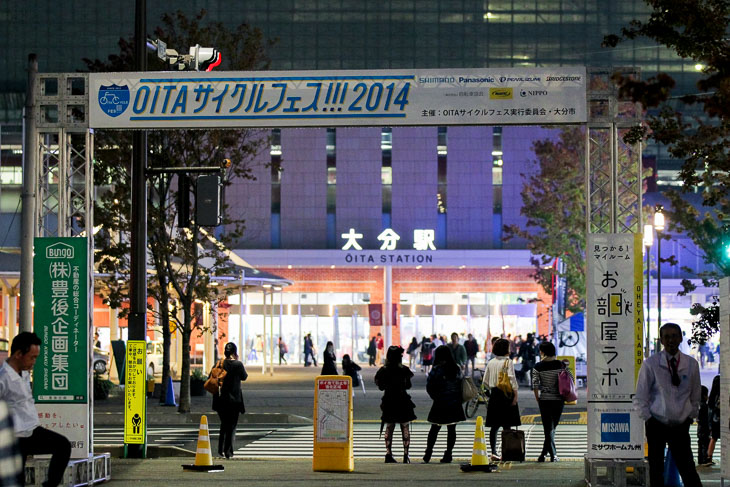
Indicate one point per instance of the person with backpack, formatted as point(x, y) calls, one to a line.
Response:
point(372, 351)
point(528, 356)
point(545, 385)
point(444, 387)
point(228, 401)
point(427, 348)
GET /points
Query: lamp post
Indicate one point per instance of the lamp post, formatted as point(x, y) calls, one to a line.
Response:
point(648, 241)
point(659, 226)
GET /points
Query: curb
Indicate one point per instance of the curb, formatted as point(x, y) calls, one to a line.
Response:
point(117, 419)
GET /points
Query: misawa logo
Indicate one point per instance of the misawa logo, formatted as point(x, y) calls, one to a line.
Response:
point(114, 99)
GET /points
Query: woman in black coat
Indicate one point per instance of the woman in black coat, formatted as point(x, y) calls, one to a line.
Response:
point(228, 402)
point(329, 366)
point(394, 379)
point(444, 387)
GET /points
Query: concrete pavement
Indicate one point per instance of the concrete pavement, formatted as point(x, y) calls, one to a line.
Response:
point(168, 471)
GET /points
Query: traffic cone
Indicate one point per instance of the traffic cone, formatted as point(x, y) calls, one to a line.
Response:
point(479, 462)
point(170, 395)
point(203, 457)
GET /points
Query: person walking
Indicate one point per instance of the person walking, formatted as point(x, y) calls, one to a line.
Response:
point(444, 387)
point(413, 353)
point(713, 414)
point(372, 351)
point(380, 343)
point(33, 439)
point(283, 350)
point(457, 350)
point(329, 364)
point(547, 394)
point(394, 379)
point(228, 402)
point(472, 348)
point(502, 408)
point(309, 350)
point(668, 399)
point(353, 370)
point(427, 349)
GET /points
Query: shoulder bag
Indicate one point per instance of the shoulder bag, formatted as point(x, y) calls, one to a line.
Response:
point(503, 381)
point(468, 389)
point(215, 380)
point(566, 386)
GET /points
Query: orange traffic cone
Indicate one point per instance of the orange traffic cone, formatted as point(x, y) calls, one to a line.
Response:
point(203, 456)
point(479, 462)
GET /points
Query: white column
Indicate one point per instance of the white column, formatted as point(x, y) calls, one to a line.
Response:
point(13, 317)
point(241, 337)
point(207, 339)
point(113, 324)
point(263, 338)
point(6, 315)
point(388, 311)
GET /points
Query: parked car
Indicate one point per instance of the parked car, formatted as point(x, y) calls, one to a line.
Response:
point(101, 361)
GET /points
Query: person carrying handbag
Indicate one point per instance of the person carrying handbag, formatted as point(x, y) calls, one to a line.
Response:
point(545, 385)
point(228, 402)
point(502, 409)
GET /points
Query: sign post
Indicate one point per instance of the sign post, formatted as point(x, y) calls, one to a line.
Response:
point(60, 289)
point(333, 447)
point(135, 397)
point(615, 331)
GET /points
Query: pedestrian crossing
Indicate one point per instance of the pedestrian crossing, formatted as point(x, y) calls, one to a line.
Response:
point(570, 440)
point(180, 436)
point(296, 442)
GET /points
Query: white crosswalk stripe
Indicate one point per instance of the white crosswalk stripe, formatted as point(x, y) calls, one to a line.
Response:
point(170, 436)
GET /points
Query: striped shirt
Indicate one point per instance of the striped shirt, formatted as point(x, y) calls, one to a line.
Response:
point(545, 379)
point(10, 461)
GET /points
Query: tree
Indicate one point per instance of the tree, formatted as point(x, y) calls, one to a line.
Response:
point(185, 263)
point(694, 127)
point(553, 200)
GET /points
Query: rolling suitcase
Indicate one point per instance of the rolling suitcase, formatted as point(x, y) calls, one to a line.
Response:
point(513, 445)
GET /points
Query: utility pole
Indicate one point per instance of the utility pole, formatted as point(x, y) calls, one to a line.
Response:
point(138, 257)
point(28, 223)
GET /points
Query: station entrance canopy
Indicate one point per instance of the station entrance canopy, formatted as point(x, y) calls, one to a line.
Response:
point(496, 96)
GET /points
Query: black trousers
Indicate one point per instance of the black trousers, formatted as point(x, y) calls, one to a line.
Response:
point(227, 432)
point(550, 412)
point(659, 435)
point(42, 442)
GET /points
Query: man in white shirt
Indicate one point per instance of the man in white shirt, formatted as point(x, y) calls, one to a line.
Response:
point(668, 399)
point(15, 390)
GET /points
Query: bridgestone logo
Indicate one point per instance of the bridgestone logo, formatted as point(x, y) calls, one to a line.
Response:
point(615, 428)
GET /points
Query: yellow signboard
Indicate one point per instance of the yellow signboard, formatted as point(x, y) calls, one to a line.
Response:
point(135, 393)
point(333, 447)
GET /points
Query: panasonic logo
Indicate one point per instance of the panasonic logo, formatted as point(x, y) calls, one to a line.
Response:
point(615, 428)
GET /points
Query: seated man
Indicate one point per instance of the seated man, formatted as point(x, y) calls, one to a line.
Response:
point(15, 390)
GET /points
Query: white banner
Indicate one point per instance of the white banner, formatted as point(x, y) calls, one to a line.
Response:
point(498, 96)
point(614, 327)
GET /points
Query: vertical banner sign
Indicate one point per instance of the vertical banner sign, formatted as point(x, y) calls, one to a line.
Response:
point(333, 441)
point(60, 319)
point(725, 376)
point(615, 341)
point(135, 393)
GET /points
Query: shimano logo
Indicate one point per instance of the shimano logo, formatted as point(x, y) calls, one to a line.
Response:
point(500, 93)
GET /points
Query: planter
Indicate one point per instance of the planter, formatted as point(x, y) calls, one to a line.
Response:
point(196, 387)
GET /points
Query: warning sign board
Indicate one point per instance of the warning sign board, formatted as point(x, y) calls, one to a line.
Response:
point(135, 393)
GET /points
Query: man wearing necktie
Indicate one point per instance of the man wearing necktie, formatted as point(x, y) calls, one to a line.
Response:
point(668, 399)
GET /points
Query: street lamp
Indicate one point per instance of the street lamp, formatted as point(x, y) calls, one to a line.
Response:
point(648, 242)
point(659, 227)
